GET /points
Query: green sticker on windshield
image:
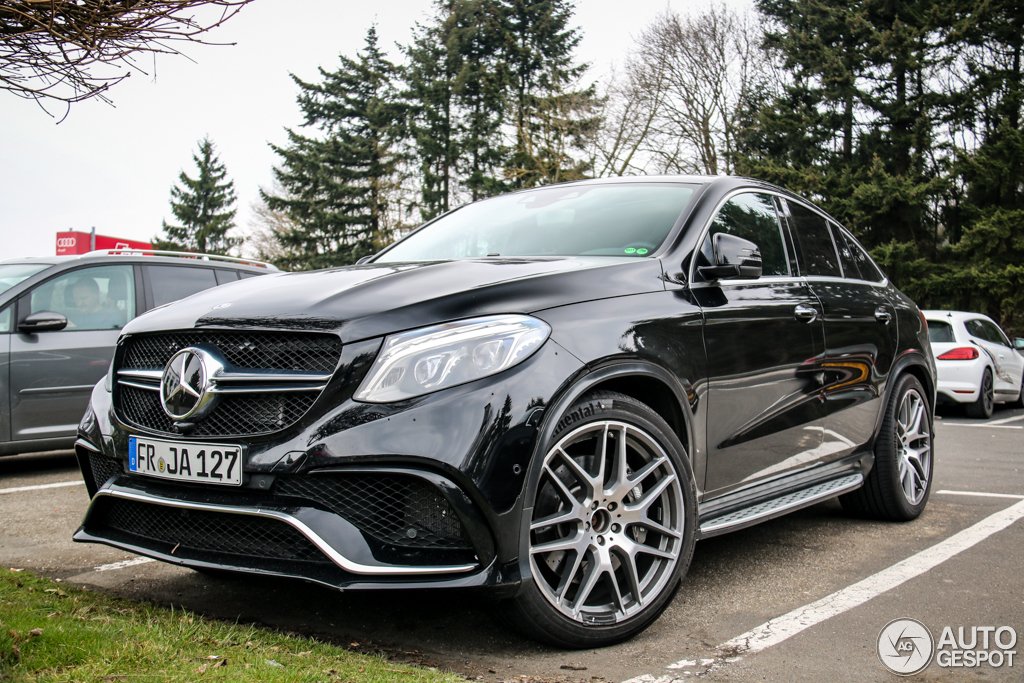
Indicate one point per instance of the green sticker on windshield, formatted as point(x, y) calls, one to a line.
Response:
point(631, 250)
point(641, 251)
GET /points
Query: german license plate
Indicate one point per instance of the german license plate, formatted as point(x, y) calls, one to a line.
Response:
point(208, 463)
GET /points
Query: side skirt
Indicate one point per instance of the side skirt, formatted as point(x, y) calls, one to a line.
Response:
point(781, 496)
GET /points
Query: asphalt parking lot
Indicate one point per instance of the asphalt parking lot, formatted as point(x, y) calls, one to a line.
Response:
point(800, 598)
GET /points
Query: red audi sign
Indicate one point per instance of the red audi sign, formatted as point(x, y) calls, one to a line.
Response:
point(70, 243)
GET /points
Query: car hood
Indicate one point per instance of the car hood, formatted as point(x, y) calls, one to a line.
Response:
point(370, 300)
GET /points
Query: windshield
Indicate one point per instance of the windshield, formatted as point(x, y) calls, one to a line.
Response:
point(14, 273)
point(599, 220)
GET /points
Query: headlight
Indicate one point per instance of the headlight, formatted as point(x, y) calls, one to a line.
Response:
point(433, 358)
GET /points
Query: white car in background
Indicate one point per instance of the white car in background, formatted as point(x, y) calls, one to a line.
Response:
point(977, 364)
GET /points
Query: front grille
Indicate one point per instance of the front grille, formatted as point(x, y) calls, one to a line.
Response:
point(205, 531)
point(241, 414)
point(235, 414)
point(103, 468)
point(404, 511)
point(249, 350)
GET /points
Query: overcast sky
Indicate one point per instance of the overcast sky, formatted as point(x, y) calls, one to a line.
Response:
point(113, 167)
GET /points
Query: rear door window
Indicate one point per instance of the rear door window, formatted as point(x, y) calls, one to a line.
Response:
point(815, 251)
point(170, 283)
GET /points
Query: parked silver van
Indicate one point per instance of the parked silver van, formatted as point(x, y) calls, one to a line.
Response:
point(60, 317)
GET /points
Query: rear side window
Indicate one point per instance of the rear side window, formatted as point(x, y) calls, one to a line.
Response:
point(940, 332)
point(815, 251)
point(995, 335)
point(170, 283)
point(751, 216)
point(983, 329)
point(865, 264)
point(225, 276)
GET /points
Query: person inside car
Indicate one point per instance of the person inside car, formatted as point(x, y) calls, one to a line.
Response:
point(89, 313)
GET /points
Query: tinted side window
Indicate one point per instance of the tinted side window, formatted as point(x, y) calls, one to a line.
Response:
point(243, 274)
point(995, 335)
point(171, 283)
point(851, 270)
point(975, 329)
point(940, 332)
point(752, 217)
point(867, 267)
point(100, 298)
point(815, 251)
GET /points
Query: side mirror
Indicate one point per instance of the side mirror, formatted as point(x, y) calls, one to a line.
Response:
point(43, 321)
point(1018, 343)
point(735, 258)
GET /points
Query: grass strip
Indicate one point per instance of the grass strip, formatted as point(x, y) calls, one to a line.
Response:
point(51, 631)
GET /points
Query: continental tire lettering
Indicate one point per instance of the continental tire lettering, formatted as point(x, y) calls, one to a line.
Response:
point(580, 413)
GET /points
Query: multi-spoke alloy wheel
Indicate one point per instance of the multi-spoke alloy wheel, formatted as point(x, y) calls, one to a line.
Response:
point(983, 408)
point(611, 529)
point(914, 446)
point(898, 485)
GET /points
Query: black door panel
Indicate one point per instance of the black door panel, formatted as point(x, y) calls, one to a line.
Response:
point(765, 415)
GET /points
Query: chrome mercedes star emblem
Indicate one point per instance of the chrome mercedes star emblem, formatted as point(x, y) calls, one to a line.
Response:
point(184, 384)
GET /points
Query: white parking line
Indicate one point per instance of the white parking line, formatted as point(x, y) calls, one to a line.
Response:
point(983, 495)
point(788, 625)
point(1005, 420)
point(985, 424)
point(124, 563)
point(43, 486)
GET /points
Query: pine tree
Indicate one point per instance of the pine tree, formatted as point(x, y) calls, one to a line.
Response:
point(454, 86)
point(203, 207)
point(854, 126)
point(986, 261)
point(434, 64)
point(551, 116)
point(340, 187)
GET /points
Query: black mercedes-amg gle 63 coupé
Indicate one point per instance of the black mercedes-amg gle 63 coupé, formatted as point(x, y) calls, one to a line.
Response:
point(551, 394)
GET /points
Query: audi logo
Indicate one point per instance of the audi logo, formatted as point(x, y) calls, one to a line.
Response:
point(64, 242)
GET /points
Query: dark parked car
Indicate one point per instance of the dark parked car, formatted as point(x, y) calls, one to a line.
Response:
point(551, 394)
point(60, 317)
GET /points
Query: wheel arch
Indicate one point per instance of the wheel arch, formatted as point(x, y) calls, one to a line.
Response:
point(643, 381)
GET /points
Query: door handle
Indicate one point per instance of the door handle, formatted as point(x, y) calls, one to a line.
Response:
point(882, 315)
point(805, 313)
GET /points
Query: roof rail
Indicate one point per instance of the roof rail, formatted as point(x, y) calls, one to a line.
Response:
point(181, 254)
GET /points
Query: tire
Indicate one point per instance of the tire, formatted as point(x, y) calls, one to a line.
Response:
point(898, 486)
point(1019, 403)
point(986, 403)
point(612, 526)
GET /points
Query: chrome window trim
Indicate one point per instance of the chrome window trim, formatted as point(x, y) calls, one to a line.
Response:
point(335, 556)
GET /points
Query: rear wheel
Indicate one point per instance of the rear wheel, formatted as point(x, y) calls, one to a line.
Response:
point(898, 486)
point(983, 407)
point(612, 526)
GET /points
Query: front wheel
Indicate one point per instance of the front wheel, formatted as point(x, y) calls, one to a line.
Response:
point(898, 486)
point(612, 526)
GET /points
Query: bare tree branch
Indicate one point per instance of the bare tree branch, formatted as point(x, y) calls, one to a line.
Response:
point(63, 50)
